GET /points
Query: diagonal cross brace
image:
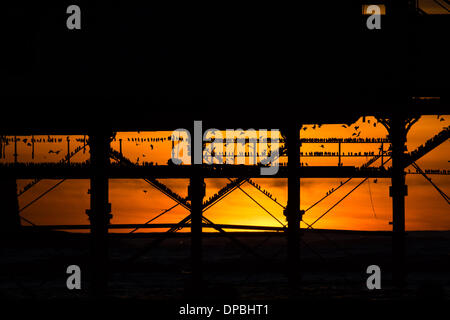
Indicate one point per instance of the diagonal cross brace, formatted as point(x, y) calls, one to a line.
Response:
point(430, 145)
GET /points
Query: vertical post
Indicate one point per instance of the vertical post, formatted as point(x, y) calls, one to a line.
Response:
point(15, 149)
point(196, 193)
point(293, 207)
point(398, 191)
point(68, 150)
point(99, 213)
point(339, 161)
point(235, 151)
point(10, 204)
point(255, 150)
point(32, 147)
point(120, 146)
point(173, 145)
point(382, 151)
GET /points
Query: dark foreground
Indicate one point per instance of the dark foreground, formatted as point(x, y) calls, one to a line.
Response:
point(333, 269)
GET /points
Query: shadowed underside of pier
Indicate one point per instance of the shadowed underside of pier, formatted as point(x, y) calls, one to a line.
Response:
point(150, 66)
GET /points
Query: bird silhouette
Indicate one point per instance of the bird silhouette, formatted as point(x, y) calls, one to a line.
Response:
point(442, 119)
point(322, 146)
point(344, 126)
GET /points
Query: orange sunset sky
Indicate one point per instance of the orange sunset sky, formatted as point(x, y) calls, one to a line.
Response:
point(134, 201)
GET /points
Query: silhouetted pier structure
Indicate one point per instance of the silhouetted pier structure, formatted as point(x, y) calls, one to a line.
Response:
point(408, 90)
point(99, 169)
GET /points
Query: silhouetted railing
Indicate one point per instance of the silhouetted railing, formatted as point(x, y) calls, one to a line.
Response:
point(431, 144)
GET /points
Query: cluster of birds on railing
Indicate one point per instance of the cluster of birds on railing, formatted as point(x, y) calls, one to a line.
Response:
point(138, 140)
point(29, 141)
point(148, 139)
point(250, 154)
point(430, 144)
point(336, 154)
point(167, 190)
point(5, 141)
point(431, 171)
point(345, 140)
point(285, 164)
point(267, 193)
point(28, 186)
point(222, 191)
point(44, 165)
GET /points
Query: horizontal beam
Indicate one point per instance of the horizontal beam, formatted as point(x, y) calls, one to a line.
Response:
point(75, 171)
point(155, 226)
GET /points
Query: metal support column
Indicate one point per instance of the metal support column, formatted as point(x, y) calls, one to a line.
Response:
point(15, 149)
point(68, 149)
point(99, 213)
point(32, 147)
point(293, 206)
point(10, 204)
point(398, 191)
point(196, 193)
point(339, 161)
